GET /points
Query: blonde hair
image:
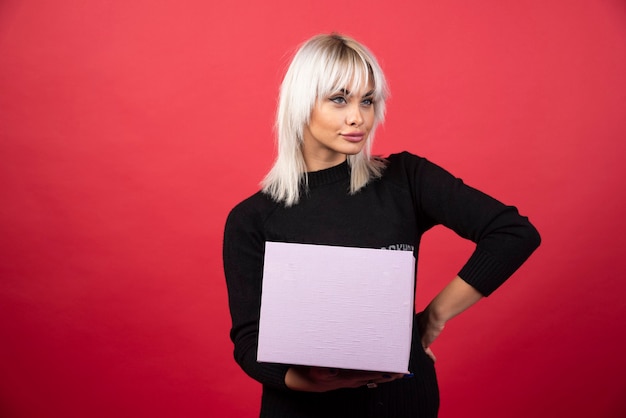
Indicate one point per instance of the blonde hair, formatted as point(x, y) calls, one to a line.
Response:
point(322, 65)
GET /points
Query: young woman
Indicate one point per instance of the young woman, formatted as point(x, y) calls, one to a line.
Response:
point(326, 188)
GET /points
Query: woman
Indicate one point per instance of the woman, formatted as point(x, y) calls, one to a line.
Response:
point(326, 188)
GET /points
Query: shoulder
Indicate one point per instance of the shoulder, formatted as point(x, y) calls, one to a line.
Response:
point(405, 164)
point(413, 165)
point(418, 174)
point(252, 210)
point(244, 230)
point(403, 158)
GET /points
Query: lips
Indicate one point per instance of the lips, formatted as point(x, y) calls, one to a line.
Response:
point(354, 136)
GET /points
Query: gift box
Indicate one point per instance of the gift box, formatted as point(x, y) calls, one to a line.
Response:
point(338, 307)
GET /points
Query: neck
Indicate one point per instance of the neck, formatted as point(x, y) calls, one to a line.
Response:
point(315, 163)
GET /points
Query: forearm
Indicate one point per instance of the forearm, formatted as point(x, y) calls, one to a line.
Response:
point(456, 297)
point(323, 379)
point(245, 353)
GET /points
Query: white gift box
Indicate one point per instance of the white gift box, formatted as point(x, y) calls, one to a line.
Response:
point(339, 307)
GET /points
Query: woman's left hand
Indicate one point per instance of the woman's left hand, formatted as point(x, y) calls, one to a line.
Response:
point(429, 330)
point(455, 298)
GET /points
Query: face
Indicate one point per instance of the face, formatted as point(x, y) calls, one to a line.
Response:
point(339, 126)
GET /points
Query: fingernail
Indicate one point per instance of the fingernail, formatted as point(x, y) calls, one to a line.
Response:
point(386, 376)
point(408, 376)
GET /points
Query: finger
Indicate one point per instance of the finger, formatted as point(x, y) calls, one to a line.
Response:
point(322, 373)
point(430, 353)
point(361, 375)
point(392, 376)
point(385, 378)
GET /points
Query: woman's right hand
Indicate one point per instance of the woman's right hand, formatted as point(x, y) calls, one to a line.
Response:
point(323, 379)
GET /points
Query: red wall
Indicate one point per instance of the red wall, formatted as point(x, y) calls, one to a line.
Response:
point(129, 129)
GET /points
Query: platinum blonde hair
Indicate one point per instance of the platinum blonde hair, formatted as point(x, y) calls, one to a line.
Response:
point(323, 65)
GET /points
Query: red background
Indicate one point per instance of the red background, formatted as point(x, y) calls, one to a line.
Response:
point(129, 129)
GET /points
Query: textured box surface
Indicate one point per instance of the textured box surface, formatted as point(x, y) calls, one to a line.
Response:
point(338, 307)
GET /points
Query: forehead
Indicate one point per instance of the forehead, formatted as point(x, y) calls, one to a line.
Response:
point(352, 80)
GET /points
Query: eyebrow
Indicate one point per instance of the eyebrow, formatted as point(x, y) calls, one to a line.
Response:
point(347, 92)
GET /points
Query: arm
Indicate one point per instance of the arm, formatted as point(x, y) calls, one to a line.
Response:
point(504, 240)
point(455, 298)
point(243, 251)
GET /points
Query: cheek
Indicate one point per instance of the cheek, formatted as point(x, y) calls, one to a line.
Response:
point(330, 125)
point(322, 121)
point(371, 117)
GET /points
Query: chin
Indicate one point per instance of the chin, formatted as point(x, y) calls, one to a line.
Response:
point(352, 150)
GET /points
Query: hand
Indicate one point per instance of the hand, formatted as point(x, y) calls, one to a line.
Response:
point(455, 298)
point(322, 379)
point(429, 330)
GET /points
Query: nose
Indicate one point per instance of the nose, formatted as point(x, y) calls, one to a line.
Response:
point(354, 116)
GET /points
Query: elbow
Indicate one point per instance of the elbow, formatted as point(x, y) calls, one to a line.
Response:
point(523, 239)
point(528, 240)
point(533, 237)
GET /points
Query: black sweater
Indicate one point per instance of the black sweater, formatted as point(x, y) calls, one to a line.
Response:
point(392, 212)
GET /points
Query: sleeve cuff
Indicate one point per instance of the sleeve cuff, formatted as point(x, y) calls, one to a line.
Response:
point(485, 272)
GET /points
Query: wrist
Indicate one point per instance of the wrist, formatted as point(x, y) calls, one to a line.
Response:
point(434, 318)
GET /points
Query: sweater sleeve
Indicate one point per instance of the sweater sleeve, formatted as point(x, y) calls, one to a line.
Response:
point(504, 238)
point(243, 253)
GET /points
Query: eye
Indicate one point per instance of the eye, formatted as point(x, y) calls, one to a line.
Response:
point(338, 99)
point(367, 102)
